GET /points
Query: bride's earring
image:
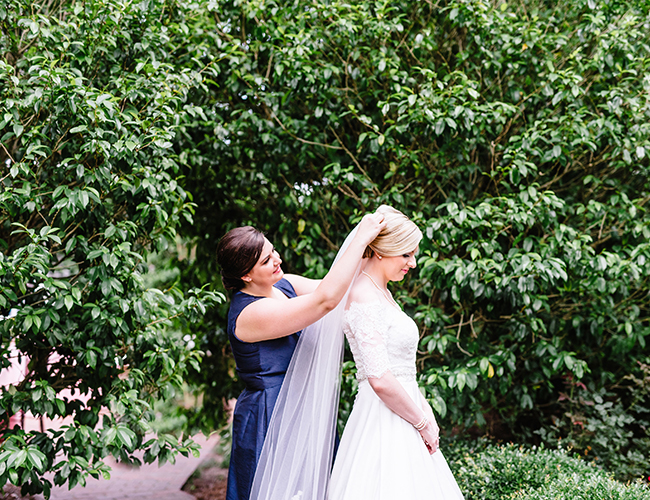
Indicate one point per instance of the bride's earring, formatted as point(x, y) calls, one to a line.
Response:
point(379, 257)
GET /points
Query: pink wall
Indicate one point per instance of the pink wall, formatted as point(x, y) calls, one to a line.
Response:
point(12, 376)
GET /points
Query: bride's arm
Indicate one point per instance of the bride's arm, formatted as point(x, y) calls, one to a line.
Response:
point(368, 329)
point(391, 392)
point(432, 418)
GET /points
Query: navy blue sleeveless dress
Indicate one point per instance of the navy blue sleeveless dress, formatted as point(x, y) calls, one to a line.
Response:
point(262, 366)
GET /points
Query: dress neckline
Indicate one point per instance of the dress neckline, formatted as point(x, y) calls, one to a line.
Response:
point(377, 303)
point(264, 296)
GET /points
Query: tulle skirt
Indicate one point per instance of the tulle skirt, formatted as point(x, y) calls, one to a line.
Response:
point(382, 457)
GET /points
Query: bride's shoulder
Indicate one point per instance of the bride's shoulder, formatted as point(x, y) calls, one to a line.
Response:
point(359, 315)
point(363, 293)
point(363, 302)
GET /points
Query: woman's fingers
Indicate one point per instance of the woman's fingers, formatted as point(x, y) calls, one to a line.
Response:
point(370, 227)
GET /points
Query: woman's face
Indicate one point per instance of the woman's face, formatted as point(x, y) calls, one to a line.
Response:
point(395, 268)
point(267, 270)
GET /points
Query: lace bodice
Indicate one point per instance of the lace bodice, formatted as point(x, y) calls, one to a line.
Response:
point(381, 338)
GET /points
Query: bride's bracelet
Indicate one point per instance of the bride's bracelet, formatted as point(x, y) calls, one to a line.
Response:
point(421, 424)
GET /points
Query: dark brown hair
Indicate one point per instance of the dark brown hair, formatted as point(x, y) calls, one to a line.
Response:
point(237, 253)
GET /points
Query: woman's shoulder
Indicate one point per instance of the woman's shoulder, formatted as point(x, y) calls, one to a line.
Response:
point(370, 308)
point(286, 287)
point(239, 300)
point(363, 318)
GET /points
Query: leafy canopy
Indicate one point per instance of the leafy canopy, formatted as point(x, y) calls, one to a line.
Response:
point(516, 135)
point(91, 100)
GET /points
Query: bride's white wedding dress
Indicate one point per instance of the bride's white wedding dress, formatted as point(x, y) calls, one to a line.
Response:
point(381, 456)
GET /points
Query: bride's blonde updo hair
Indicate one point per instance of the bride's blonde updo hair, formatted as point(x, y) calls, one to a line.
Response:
point(400, 235)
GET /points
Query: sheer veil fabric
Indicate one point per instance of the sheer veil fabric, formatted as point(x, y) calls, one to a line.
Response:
point(296, 459)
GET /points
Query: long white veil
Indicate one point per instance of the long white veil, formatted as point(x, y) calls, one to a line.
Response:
point(297, 454)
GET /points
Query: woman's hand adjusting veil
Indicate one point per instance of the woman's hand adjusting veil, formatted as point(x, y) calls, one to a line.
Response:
point(369, 228)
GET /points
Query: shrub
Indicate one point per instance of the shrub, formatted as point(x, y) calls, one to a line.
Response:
point(498, 471)
point(90, 185)
point(608, 427)
point(591, 486)
point(487, 471)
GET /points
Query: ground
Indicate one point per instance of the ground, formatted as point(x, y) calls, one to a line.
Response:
point(209, 481)
point(11, 492)
point(202, 477)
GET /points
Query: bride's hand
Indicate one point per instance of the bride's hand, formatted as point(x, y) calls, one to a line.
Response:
point(369, 227)
point(431, 436)
point(433, 440)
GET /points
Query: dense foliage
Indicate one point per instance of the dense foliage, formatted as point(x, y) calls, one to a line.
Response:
point(512, 472)
point(89, 186)
point(517, 137)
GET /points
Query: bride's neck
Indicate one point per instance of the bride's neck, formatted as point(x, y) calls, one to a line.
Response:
point(373, 268)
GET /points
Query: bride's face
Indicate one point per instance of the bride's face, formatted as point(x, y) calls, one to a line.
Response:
point(395, 268)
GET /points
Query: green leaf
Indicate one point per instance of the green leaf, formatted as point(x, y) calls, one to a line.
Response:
point(461, 379)
point(17, 459)
point(35, 458)
point(526, 402)
point(628, 328)
point(109, 436)
point(91, 359)
point(125, 435)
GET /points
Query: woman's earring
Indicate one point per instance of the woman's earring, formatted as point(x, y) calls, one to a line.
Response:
point(379, 257)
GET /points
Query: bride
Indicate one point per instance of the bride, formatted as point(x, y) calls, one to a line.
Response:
point(389, 448)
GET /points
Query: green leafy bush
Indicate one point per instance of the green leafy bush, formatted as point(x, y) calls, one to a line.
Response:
point(487, 471)
point(516, 135)
point(90, 184)
point(610, 430)
point(587, 487)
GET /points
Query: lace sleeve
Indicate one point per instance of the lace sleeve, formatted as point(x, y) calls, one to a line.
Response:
point(367, 331)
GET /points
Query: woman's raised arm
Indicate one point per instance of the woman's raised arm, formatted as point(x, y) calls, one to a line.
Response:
point(302, 285)
point(269, 318)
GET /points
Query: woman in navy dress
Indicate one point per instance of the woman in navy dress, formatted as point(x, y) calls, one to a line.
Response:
point(268, 310)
